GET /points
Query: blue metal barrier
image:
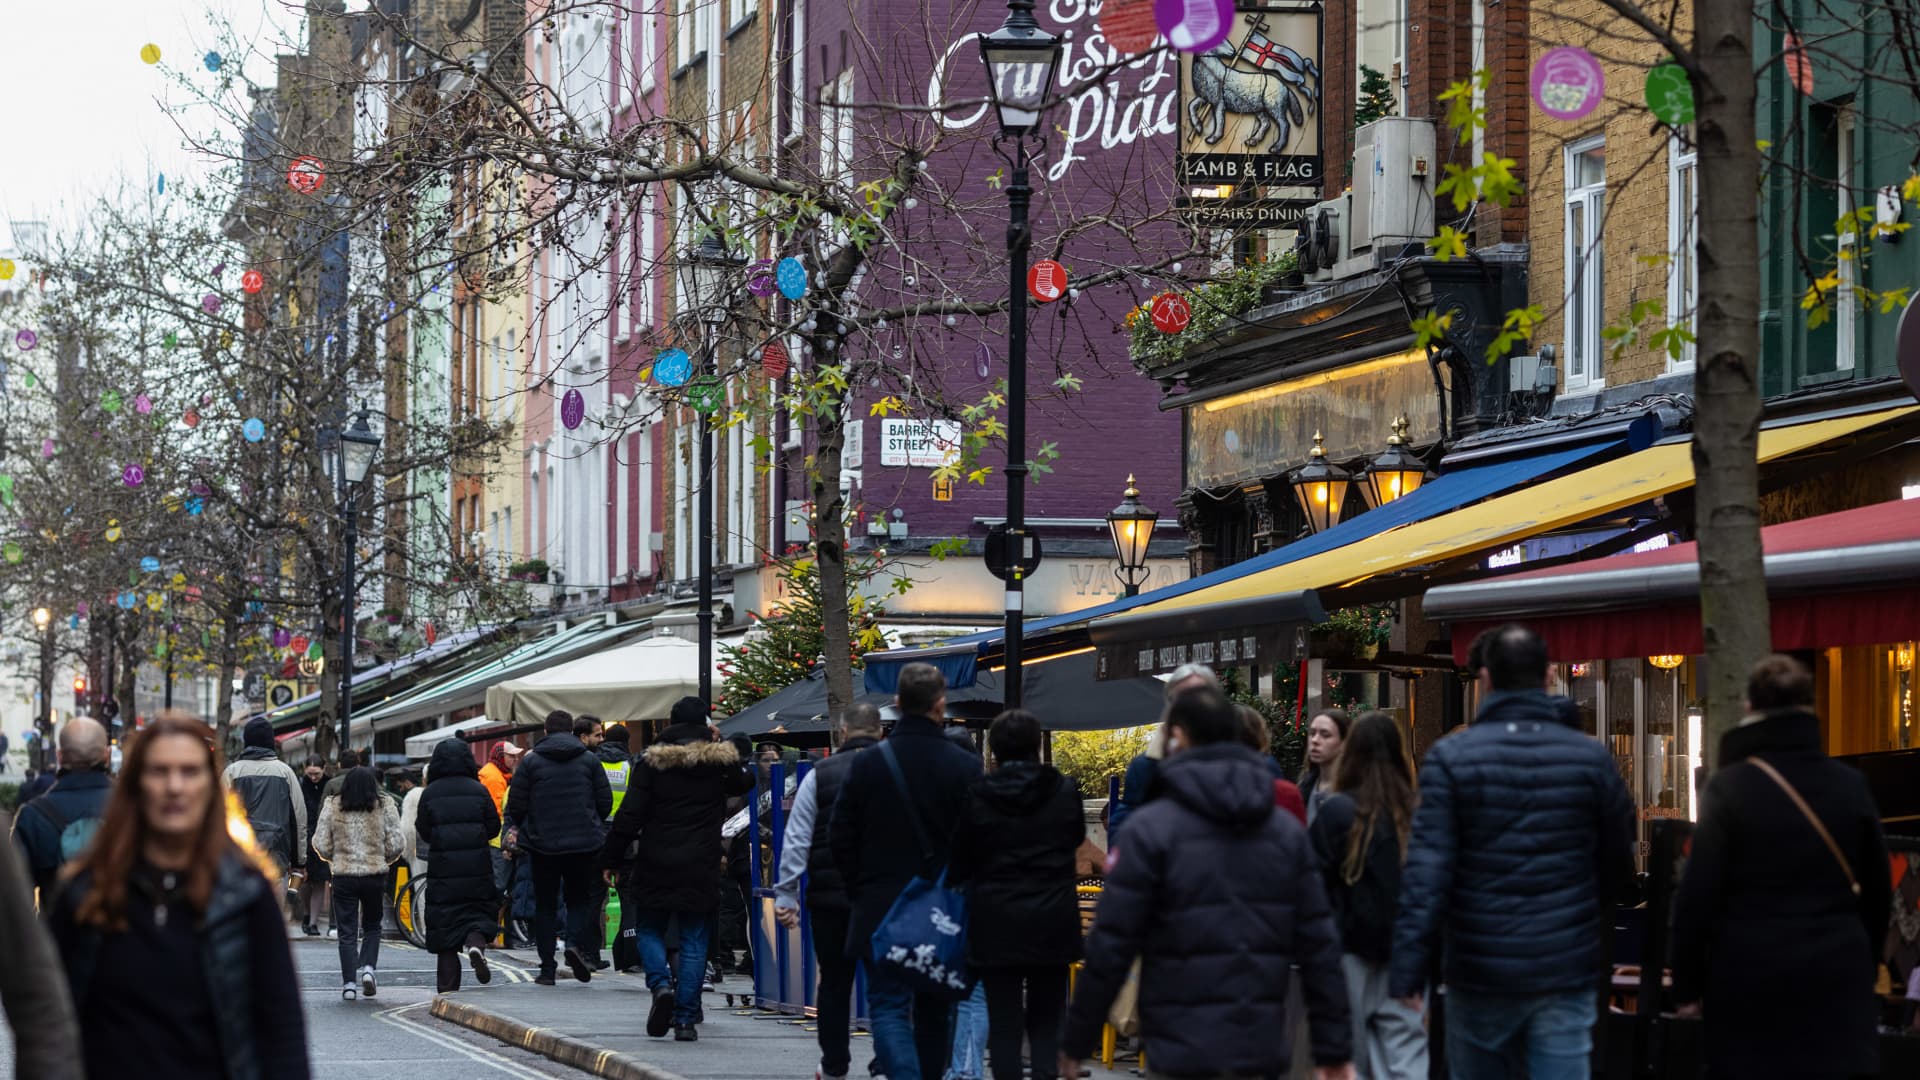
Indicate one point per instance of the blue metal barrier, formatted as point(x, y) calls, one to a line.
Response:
point(784, 970)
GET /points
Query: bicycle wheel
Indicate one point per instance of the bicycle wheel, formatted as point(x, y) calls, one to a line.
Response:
point(413, 912)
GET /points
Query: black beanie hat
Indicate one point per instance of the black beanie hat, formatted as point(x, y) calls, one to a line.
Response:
point(689, 710)
point(618, 733)
point(258, 732)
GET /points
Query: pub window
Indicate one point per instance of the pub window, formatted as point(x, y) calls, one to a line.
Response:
point(1586, 197)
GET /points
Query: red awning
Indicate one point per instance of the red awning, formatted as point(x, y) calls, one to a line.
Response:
point(1851, 578)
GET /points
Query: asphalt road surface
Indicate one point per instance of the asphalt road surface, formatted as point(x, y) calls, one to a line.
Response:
point(391, 1030)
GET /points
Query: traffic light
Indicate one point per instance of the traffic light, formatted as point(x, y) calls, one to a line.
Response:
point(79, 695)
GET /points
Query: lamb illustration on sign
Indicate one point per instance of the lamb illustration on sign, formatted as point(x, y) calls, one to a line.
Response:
point(1273, 83)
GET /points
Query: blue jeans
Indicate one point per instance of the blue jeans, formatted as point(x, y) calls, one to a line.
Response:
point(911, 1032)
point(1552, 1034)
point(687, 974)
point(969, 1058)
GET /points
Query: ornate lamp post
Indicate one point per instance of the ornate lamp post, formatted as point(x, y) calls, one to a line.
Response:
point(359, 445)
point(1321, 488)
point(43, 713)
point(1396, 472)
point(1021, 60)
point(1132, 527)
point(708, 272)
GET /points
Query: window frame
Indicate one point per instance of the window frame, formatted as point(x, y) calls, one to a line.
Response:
point(1588, 290)
point(1683, 245)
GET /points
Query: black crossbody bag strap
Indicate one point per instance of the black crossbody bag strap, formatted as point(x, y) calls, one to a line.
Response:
point(913, 812)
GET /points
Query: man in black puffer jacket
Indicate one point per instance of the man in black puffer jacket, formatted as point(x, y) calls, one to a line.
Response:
point(676, 804)
point(1522, 841)
point(1218, 895)
point(559, 800)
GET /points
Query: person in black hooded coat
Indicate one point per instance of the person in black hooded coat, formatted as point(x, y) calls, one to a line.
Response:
point(1014, 849)
point(456, 821)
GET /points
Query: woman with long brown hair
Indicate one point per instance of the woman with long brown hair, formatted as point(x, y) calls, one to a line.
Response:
point(173, 941)
point(1360, 837)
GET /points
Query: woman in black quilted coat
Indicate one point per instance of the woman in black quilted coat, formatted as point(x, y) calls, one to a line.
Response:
point(457, 820)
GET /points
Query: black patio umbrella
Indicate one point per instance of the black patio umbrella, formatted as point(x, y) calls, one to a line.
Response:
point(1061, 691)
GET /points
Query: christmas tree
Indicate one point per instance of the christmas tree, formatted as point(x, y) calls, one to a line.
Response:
point(785, 645)
point(1376, 98)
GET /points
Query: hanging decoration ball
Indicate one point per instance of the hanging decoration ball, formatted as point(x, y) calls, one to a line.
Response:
point(150, 564)
point(760, 278)
point(1799, 68)
point(252, 281)
point(210, 303)
point(125, 600)
point(26, 340)
point(194, 504)
point(573, 409)
point(46, 448)
point(113, 530)
point(212, 60)
point(791, 276)
point(314, 649)
point(226, 342)
point(1194, 25)
point(110, 401)
point(150, 53)
point(281, 638)
point(82, 609)
point(30, 380)
point(155, 601)
point(134, 475)
point(953, 320)
point(178, 579)
point(1568, 83)
point(1171, 313)
point(774, 360)
point(1129, 25)
point(142, 404)
point(299, 643)
point(254, 429)
point(191, 417)
point(6, 269)
point(160, 184)
point(706, 394)
point(73, 622)
point(430, 632)
point(672, 368)
point(170, 339)
point(13, 551)
point(1177, 267)
point(983, 361)
point(1047, 281)
point(193, 594)
point(306, 174)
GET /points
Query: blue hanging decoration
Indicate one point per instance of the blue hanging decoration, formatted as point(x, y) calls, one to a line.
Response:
point(254, 429)
point(212, 60)
point(150, 564)
point(195, 504)
point(791, 276)
point(160, 184)
point(125, 600)
point(673, 368)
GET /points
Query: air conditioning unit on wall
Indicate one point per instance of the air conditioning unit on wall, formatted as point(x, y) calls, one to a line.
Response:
point(1392, 194)
point(1320, 243)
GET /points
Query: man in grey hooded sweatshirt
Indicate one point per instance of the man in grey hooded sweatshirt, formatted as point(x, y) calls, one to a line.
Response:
point(270, 790)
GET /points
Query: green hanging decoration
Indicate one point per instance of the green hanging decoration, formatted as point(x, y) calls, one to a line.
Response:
point(13, 551)
point(705, 394)
point(314, 651)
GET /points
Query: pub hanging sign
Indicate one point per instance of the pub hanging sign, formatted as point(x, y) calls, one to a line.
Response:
point(1250, 108)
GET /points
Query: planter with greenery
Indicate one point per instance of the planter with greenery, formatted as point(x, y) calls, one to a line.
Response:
point(531, 570)
point(1215, 305)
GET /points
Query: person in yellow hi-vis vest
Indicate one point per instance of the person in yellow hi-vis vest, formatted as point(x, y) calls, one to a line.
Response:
point(610, 745)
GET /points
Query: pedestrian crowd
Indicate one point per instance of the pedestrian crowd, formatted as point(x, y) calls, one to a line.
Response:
point(1251, 926)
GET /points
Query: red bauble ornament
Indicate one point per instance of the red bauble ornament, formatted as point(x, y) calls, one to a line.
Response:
point(774, 360)
point(1171, 313)
point(252, 281)
point(1047, 281)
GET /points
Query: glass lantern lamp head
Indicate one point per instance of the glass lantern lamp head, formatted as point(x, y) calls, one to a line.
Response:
point(1395, 473)
point(42, 618)
point(1021, 59)
point(1320, 487)
point(1131, 525)
point(708, 271)
point(358, 447)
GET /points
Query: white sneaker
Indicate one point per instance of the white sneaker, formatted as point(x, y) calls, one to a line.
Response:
point(368, 986)
point(333, 931)
point(348, 992)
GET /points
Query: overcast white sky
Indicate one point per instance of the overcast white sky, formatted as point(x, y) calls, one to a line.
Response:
point(82, 109)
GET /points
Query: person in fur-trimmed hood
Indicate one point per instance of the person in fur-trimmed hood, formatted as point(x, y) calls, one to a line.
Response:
point(676, 802)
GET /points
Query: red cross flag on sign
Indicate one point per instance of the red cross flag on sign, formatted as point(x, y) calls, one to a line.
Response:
point(774, 360)
point(1171, 313)
point(1047, 281)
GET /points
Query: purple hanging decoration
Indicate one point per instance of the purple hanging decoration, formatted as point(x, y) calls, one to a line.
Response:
point(211, 302)
point(983, 361)
point(760, 278)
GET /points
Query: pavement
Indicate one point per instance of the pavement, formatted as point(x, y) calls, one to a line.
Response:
point(599, 1027)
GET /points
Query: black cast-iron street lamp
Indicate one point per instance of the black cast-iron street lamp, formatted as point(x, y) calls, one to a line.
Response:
point(1395, 473)
point(43, 713)
point(1021, 59)
point(1132, 527)
point(358, 446)
point(708, 272)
